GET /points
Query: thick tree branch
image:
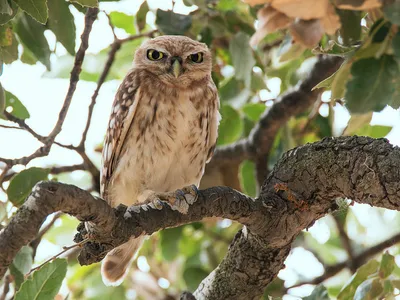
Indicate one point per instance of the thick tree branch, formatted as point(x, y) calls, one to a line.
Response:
point(302, 188)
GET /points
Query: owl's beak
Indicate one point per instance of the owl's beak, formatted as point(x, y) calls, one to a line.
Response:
point(176, 66)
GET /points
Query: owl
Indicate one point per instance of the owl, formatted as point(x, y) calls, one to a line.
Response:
point(161, 133)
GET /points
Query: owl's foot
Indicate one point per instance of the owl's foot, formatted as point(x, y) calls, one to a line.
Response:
point(178, 200)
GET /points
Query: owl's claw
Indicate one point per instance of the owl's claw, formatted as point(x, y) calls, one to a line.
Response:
point(178, 200)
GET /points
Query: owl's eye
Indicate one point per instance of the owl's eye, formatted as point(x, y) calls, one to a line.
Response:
point(154, 54)
point(196, 57)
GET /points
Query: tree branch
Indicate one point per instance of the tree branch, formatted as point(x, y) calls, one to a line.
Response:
point(302, 188)
point(44, 150)
point(358, 261)
point(260, 140)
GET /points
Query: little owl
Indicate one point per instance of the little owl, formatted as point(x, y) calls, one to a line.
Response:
point(162, 131)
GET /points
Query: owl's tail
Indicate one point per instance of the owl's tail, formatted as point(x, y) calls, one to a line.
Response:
point(116, 264)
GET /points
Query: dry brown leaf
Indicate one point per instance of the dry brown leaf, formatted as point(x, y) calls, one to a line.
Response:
point(307, 33)
point(269, 20)
point(303, 9)
point(256, 2)
point(358, 4)
point(331, 22)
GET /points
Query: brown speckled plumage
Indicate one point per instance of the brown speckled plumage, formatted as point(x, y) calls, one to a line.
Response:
point(162, 131)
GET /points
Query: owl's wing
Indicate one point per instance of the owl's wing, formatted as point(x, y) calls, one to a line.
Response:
point(122, 114)
point(214, 118)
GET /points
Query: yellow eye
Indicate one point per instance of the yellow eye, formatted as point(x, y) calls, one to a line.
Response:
point(196, 57)
point(154, 54)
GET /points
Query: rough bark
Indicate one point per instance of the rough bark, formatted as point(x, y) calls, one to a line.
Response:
point(302, 188)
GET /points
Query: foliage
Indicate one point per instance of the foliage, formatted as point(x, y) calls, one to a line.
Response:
point(252, 68)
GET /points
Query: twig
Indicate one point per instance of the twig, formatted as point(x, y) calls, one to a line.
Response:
point(111, 57)
point(3, 173)
point(136, 36)
point(358, 261)
point(76, 70)
point(65, 249)
point(10, 127)
point(22, 125)
point(35, 243)
point(111, 25)
point(54, 170)
point(346, 242)
point(90, 17)
point(7, 281)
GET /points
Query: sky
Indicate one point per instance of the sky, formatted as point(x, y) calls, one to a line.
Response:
point(44, 96)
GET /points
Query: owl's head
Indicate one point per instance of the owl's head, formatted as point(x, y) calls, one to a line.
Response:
point(175, 61)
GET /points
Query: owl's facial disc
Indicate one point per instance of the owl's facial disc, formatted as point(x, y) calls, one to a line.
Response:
point(176, 66)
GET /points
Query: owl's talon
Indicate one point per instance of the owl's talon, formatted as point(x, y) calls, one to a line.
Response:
point(158, 204)
point(180, 195)
point(191, 193)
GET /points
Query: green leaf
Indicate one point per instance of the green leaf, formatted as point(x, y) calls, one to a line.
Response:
point(9, 53)
point(368, 290)
point(372, 84)
point(172, 23)
point(361, 274)
point(339, 82)
point(24, 259)
point(15, 107)
point(193, 276)
point(5, 7)
point(334, 49)
point(88, 3)
point(226, 5)
point(379, 30)
point(31, 34)
point(6, 34)
point(231, 125)
point(124, 21)
point(350, 30)
point(369, 50)
point(376, 131)
point(37, 9)
point(257, 82)
point(319, 293)
point(21, 265)
point(356, 122)
point(396, 283)
point(230, 88)
point(254, 110)
point(248, 178)
point(141, 16)
point(44, 283)
point(392, 12)
point(387, 265)
point(396, 45)
point(28, 57)
point(61, 22)
point(326, 83)
point(242, 56)
point(235, 21)
point(289, 50)
point(4, 17)
point(2, 99)
point(324, 126)
point(169, 240)
point(22, 183)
